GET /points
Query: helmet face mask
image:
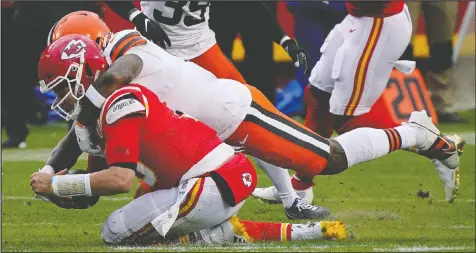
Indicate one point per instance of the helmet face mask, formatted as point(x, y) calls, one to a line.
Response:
point(68, 92)
point(68, 67)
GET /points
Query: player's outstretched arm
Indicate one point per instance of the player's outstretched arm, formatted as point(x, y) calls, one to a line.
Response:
point(64, 155)
point(122, 155)
point(115, 180)
point(298, 55)
point(146, 26)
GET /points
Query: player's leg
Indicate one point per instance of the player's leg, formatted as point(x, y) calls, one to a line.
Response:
point(202, 208)
point(273, 137)
point(263, 138)
point(236, 230)
point(202, 205)
point(317, 95)
point(419, 133)
point(216, 62)
point(131, 223)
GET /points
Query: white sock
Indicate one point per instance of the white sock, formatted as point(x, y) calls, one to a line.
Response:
point(411, 136)
point(281, 180)
point(310, 231)
point(365, 144)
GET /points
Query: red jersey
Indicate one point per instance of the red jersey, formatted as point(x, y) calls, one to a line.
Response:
point(137, 128)
point(374, 8)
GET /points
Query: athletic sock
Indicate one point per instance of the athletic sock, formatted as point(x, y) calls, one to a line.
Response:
point(365, 144)
point(281, 180)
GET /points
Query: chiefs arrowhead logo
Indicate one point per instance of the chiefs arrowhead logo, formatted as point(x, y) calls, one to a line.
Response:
point(74, 49)
point(247, 179)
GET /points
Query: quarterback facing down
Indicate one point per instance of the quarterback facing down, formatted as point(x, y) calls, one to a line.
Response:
point(198, 183)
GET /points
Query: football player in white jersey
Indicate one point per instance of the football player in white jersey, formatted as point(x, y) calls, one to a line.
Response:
point(187, 25)
point(242, 115)
point(197, 182)
point(186, 34)
point(207, 100)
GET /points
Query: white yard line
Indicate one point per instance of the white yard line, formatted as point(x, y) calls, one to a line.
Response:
point(237, 247)
point(249, 247)
point(420, 248)
point(40, 154)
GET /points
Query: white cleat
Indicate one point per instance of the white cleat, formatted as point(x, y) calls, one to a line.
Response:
point(270, 195)
point(446, 149)
point(421, 120)
point(450, 179)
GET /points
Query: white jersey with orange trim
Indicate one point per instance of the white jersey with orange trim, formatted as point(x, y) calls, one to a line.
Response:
point(186, 24)
point(186, 87)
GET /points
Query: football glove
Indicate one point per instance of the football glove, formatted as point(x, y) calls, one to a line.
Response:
point(151, 30)
point(298, 55)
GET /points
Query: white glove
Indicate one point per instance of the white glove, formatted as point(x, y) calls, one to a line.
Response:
point(83, 136)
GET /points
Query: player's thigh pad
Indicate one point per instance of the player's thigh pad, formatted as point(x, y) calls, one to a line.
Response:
point(131, 218)
point(321, 72)
point(204, 211)
point(364, 62)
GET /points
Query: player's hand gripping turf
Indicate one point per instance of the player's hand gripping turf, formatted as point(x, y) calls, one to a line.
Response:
point(83, 136)
point(298, 55)
point(151, 30)
point(40, 183)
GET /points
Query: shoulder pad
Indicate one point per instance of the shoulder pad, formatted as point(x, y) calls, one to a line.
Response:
point(122, 41)
point(124, 105)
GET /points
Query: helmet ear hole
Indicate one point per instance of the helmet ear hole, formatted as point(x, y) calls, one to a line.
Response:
point(89, 71)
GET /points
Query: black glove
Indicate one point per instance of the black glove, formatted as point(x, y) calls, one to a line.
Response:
point(77, 202)
point(151, 30)
point(298, 55)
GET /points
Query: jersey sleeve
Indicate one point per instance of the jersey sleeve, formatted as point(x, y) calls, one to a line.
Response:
point(121, 42)
point(121, 126)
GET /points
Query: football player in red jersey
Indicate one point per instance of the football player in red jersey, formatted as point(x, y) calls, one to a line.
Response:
point(220, 116)
point(212, 60)
point(357, 59)
point(343, 153)
point(198, 182)
point(264, 131)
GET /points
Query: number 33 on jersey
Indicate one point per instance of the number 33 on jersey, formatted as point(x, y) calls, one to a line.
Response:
point(185, 22)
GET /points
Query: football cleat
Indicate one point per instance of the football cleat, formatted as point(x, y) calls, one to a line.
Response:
point(239, 232)
point(303, 210)
point(333, 230)
point(421, 120)
point(450, 179)
point(446, 149)
point(270, 194)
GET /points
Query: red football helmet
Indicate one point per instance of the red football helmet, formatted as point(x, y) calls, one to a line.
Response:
point(73, 61)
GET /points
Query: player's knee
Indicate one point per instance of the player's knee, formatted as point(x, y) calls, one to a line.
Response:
point(114, 228)
point(337, 161)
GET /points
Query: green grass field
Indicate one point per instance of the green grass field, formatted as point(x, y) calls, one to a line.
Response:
point(377, 200)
